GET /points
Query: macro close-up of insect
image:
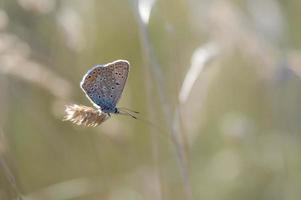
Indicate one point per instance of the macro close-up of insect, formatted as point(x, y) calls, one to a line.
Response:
point(150, 100)
point(103, 86)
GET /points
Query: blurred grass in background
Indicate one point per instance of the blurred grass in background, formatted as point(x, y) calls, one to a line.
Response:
point(222, 78)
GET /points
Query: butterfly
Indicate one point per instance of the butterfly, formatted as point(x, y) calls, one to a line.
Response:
point(104, 84)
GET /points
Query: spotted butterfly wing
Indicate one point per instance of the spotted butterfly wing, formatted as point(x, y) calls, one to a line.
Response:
point(103, 84)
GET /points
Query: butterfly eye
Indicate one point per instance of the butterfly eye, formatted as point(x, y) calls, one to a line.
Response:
point(117, 83)
point(111, 95)
point(89, 76)
point(113, 88)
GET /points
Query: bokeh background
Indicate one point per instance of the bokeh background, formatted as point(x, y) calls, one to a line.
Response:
point(217, 84)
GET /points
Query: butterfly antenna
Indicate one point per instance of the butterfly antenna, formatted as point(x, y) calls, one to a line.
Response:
point(126, 112)
point(129, 110)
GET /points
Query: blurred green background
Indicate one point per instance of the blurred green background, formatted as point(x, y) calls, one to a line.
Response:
point(219, 80)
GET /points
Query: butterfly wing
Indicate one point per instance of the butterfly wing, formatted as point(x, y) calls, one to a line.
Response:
point(120, 74)
point(103, 84)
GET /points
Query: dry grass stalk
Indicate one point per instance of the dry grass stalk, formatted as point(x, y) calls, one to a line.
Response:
point(84, 115)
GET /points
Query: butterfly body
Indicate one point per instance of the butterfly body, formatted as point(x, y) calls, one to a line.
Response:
point(103, 84)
